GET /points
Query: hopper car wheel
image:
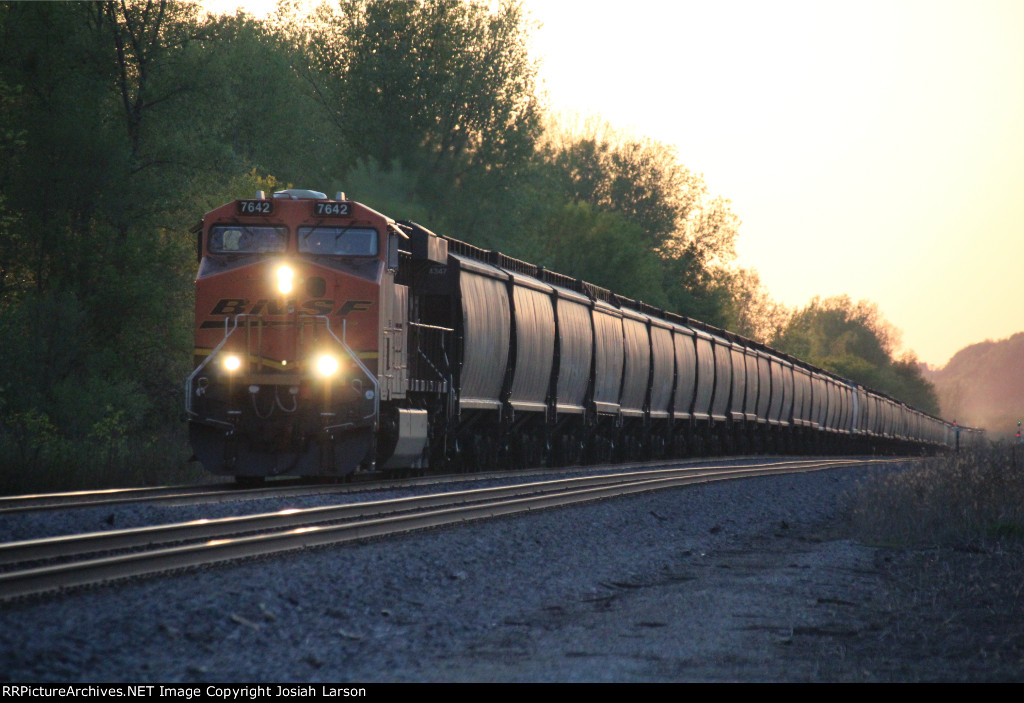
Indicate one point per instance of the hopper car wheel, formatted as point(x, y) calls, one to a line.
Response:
point(476, 453)
point(539, 450)
point(454, 458)
point(561, 451)
point(697, 445)
point(680, 445)
point(658, 447)
point(515, 453)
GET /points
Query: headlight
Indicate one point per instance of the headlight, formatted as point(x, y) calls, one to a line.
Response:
point(285, 279)
point(327, 365)
point(232, 363)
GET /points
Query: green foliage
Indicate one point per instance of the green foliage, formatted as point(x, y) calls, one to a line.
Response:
point(443, 89)
point(644, 181)
point(391, 190)
point(909, 384)
point(855, 341)
point(257, 113)
point(71, 402)
point(602, 248)
point(750, 309)
point(122, 122)
point(680, 240)
point(836, 328)
point(28, 433)
point(95, 294)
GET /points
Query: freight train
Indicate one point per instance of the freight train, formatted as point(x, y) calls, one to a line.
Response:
point(330, 339)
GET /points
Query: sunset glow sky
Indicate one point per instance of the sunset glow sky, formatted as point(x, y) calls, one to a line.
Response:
point(874, 149)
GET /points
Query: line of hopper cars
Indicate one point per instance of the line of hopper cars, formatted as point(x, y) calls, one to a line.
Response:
point(331, 338)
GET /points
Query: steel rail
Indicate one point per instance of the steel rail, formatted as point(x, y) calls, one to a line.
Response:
point(151, 536)
point(118, 496)
point(53, 578)
point(291, 487)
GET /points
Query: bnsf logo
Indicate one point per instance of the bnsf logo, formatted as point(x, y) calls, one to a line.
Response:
point(266, 306)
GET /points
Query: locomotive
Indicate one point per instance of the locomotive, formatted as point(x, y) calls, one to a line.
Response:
point(330, 339)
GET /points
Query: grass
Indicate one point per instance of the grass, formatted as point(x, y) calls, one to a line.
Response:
point(951, 596)
point(973, 497)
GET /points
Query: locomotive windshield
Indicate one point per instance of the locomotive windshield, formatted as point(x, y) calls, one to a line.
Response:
point(338, 241)
point(235, 239)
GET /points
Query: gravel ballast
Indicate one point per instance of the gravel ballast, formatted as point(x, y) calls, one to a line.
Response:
point(735, 581)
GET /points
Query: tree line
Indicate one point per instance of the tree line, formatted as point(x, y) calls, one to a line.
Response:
point(122, 122)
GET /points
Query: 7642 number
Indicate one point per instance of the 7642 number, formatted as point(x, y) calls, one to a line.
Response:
point(334, 209)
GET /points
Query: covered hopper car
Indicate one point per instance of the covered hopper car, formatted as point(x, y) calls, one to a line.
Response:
point(330, 339)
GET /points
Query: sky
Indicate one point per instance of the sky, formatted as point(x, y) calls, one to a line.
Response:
point(872, 148)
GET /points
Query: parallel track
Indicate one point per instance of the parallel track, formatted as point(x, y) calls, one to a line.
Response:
point(122, 496)
point(277, 488)
point(205, 542)
point(224, 492)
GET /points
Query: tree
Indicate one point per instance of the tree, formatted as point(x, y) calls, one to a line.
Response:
point(750, 309)
point(119, 120)
point(602, 248)
point(640, 178)
point(912, 387)
point(256, 112)
point(855, 341)
point(691, 235)
point(13, 272)
point(442, 89)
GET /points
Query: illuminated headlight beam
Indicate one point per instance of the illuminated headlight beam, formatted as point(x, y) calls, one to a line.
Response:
point(327, 365)
point(285, 279)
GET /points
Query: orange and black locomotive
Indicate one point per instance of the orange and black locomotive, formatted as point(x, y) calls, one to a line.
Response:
point(299, 336)
point(331, 338)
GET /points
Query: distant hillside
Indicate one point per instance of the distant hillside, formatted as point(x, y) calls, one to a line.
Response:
point(983, 385)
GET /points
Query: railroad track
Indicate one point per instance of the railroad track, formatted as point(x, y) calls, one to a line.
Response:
point(275, 488)
point(279, 488)
point(51, 564)
point(163, 494)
